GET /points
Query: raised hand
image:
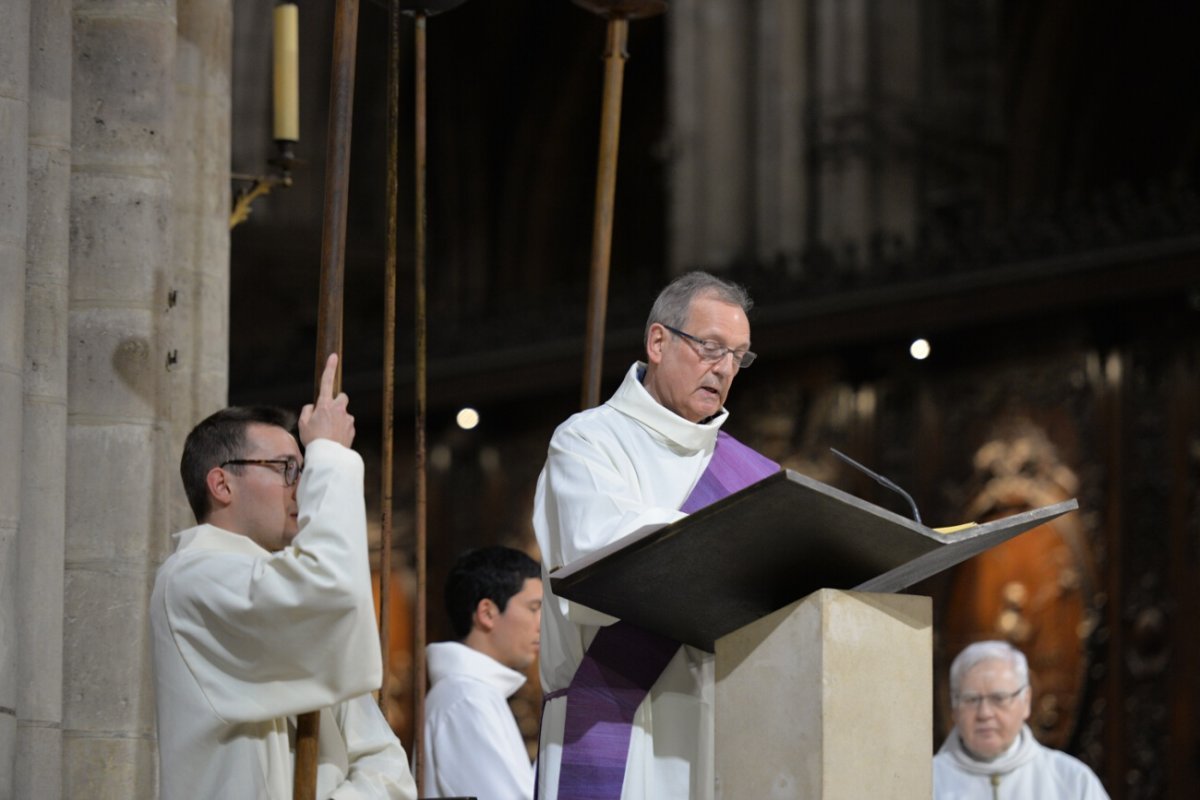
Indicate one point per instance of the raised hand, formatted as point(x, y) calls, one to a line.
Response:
point(328, 417)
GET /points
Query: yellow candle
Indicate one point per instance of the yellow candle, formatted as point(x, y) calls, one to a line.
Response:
point(287, 72)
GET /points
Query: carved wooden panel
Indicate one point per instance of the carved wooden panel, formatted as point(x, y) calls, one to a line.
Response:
point(1034, 591)
point(1017, 434)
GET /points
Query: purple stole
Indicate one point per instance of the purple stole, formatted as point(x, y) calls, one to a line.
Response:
point(623, 661)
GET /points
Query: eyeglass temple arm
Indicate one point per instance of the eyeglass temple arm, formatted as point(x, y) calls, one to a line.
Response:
point(882, 481)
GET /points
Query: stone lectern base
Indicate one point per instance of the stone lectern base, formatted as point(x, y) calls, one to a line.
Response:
point(830, 697)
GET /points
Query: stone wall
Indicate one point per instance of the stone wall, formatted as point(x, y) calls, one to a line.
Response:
point(114, 200)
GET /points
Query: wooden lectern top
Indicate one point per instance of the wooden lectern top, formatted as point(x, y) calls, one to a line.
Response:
point(764, 547)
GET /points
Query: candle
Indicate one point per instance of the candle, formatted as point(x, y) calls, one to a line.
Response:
point(287, 72)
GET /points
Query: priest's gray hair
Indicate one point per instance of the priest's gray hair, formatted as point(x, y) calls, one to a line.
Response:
point(675, 301)
point(987, 651)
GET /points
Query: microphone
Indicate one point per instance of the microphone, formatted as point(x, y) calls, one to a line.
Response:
point(882, 481)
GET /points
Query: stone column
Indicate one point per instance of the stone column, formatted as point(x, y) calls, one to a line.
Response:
point(197, 318)
point(123, 92)
point(791, 125)
point(897, 40)
point(38, 770)
point(708, 68)
point(867, 82)
point(738, 77)
point(14, 112)
point(781, 73)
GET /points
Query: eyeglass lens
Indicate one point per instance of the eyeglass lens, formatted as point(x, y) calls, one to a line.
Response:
point(714, 351)
point(290, 467)
point(995, 700)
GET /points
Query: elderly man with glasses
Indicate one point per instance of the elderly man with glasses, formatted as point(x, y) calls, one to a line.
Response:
point(991, 753)
point(629, 714)
point(265, 611)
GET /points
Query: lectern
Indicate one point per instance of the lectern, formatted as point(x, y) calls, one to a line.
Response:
point(824, 674)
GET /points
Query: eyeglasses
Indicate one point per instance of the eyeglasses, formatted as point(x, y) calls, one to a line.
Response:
point(289, 468)
point(711, 352)
point(998, 700)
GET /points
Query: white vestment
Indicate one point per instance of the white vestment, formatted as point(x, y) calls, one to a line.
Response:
point(1025, 770)
point(610, 471)
point(473, 747)
point(245, 639)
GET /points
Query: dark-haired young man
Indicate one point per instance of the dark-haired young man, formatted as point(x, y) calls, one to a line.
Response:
point(472, 744)
point(264, 611)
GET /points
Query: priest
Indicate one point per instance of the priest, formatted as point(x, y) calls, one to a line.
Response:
point(629, 714)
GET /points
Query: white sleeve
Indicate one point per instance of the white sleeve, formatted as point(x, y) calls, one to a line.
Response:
point(467, 756)
point(290, 632)
point(589, 494)
point(1088, 785)
point(378, 765)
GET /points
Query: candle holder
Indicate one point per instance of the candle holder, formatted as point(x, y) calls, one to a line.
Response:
point(251, 187)
point(286, 125)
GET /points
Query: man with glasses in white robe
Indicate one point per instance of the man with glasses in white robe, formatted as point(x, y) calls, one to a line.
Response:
point(643, 458)
point(991, 753)
point(264, 611)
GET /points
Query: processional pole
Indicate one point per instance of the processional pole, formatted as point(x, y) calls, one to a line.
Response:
point(618, 13)
point(389, 353)
point(329, 315)
point(419, 450)
point(420, 10)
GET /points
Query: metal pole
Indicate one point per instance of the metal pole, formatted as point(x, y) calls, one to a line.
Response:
point(421, 481)
point(421, 10)
point(389, 353)
point(329, 316)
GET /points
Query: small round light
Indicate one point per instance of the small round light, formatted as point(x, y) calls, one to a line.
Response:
point(919, 349)
point(467, 418)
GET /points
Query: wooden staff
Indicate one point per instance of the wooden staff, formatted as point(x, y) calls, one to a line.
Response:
point(419, 633)
point(618, 13)
point(389, 353)
point(329, 315)
point(420, 10)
